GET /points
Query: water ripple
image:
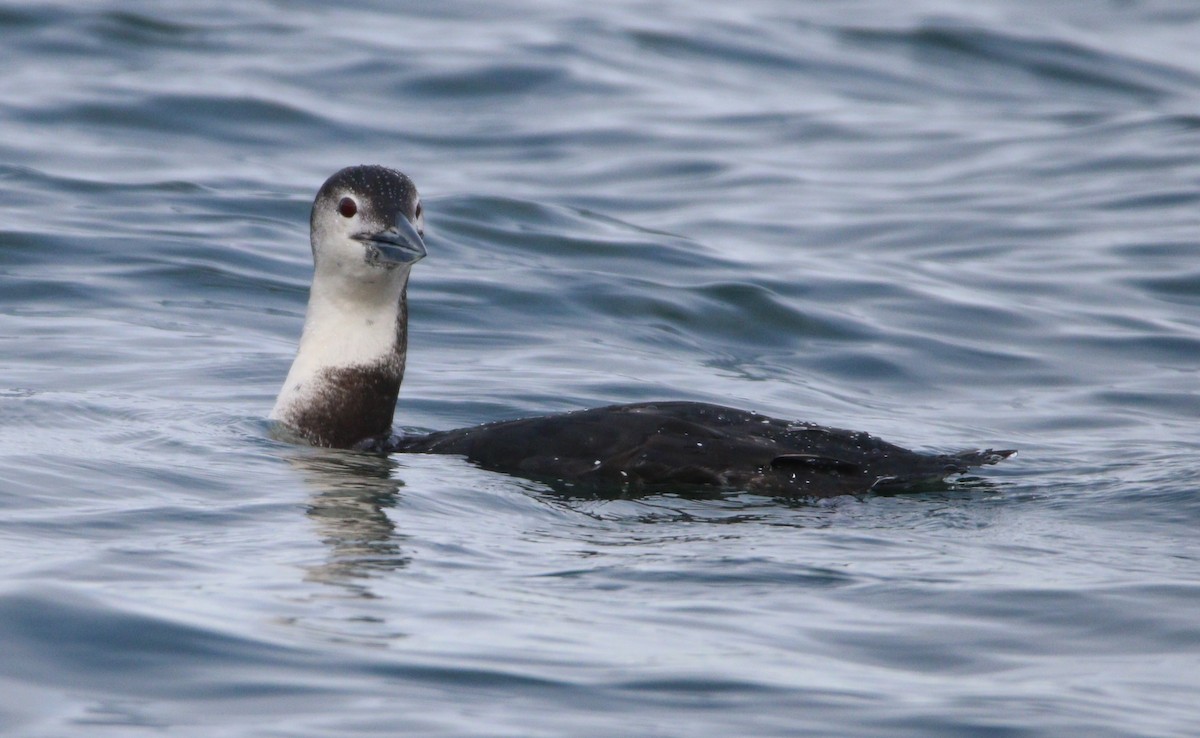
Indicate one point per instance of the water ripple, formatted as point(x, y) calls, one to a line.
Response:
point(949, 225)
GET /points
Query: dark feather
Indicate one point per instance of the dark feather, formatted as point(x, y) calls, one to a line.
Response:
point(656, 446)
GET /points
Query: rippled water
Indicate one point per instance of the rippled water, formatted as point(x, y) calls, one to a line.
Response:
point(948, 224)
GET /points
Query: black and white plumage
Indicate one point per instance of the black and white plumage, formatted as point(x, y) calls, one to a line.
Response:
point(366, 233)
point(367, 228)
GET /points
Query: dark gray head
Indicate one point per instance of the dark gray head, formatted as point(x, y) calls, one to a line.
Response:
point(370, 214)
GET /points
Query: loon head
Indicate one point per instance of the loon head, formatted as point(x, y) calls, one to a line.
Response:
point(367, 230)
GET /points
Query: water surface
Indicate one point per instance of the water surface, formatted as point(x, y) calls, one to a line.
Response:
point(947, 225)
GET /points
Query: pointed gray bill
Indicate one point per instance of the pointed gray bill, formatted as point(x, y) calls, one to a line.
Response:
point(400, 244)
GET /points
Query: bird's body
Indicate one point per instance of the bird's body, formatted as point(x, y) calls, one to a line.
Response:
point(341, 391)
point(663, 445)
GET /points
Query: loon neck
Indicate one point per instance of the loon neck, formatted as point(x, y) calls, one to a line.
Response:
point(343, 384)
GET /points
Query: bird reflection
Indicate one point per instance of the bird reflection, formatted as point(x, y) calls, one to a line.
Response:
point(350, 494)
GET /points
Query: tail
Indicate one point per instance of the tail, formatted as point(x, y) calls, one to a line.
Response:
point(961, 462)
point(938, 468)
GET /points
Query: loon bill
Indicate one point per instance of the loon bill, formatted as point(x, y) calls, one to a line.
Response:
point(367, 230)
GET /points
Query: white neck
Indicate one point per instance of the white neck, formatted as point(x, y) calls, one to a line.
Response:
point(349, 323)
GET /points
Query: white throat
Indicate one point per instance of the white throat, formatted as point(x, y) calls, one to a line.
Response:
point(350, 322)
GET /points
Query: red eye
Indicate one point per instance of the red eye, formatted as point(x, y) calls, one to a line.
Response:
point(347, 207)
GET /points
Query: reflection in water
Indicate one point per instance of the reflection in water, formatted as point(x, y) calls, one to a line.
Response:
point(350, 493)
point(733, 506)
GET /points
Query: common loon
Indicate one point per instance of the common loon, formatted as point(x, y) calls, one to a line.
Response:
point(367, 229)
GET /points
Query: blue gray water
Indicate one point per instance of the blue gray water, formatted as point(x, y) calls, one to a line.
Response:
point(950, 224)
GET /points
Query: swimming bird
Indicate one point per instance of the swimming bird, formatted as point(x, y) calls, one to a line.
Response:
point(367, 231)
